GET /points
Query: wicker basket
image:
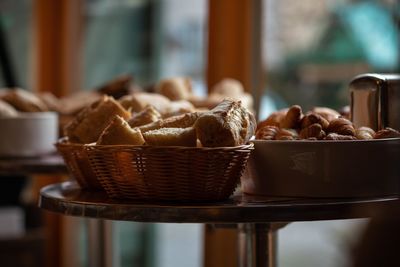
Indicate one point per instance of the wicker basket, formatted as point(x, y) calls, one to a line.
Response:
point(77, 161)
point(169, 173)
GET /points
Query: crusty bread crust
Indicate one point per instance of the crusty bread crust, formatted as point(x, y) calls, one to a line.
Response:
point(87, 126)
point(118, 132)
point(179, 121)
point(171, 137)
point(228, 124)
point(146, 116)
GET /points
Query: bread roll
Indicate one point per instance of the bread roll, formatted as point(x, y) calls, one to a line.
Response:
point(118, 132)
point(87, 126)
point(6, 110)
point(24, 101)
point(171, 137)
point(177, 88)
point(179, 107)
point(138, 101)
point(146, 116)
point(75, 103)
point(228, 87)
point(228, 124)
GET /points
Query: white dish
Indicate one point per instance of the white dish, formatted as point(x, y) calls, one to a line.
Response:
point(29, 134)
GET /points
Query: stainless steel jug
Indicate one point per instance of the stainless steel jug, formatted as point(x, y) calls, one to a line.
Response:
point(375, 100)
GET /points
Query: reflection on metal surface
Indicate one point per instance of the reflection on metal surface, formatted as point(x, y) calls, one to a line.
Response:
point(375, 100)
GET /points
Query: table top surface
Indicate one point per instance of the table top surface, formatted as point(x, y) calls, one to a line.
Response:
point(69, 199)
point(44, 164)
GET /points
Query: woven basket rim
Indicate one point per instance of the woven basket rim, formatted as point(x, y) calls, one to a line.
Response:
point(241, 147)
point(64, 142)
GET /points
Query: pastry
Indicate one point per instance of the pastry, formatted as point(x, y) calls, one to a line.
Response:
point(6, 110)
point(292, 118)
point(341, 126)
point(364, 133)
point(24, 101)
point(228, 124)
point(118, 132)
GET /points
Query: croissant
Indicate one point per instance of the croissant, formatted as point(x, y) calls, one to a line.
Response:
point(313, 131)
point(341, 126)
point(292, 118)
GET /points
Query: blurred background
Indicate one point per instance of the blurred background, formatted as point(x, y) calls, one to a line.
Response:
point(300, 52)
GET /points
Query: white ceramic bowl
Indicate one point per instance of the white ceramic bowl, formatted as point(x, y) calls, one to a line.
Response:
point(359, 168)
point(29, 134)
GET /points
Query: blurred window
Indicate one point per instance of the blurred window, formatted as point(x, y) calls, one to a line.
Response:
point(148, 39)
point(15, 22)
point(313, 48)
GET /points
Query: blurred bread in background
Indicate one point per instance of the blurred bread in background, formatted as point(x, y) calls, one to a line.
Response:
point(6, 110)
point(24, 101)
point(175, 88)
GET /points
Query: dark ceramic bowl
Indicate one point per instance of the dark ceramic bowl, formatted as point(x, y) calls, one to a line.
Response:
point(360, 168)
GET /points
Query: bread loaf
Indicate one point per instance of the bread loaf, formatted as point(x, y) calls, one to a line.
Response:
point(118, 132)
point(171, 137)
point(24, 101)
point(87, 126)
point(6, 110)
point(228, 124)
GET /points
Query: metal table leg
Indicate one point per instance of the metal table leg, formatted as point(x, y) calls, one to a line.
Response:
point(102, 244)
point(257, 245)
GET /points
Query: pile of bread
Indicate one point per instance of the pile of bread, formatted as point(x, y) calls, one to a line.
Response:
point(320, 123)
point(112, 122)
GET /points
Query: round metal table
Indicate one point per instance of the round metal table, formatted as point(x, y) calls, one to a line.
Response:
point(253, 216)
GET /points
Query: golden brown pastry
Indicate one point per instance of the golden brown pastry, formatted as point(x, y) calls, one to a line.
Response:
point(328, 113)
point(311, 118)
point(335, 136)
point(146, 116)
point(118, 132)
point(312, 131)
point(177, 88)
point(87, 126)
point(171, 137)
point(341, 126)
point(267, 132)
point(24, 101)
point(292, 118)
point(117, 87)
point(287, 134)
point(138, 101)
point(387, 133)
point(228, 124)
point(274, 119)
point(6, 110)
point(364, 133)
